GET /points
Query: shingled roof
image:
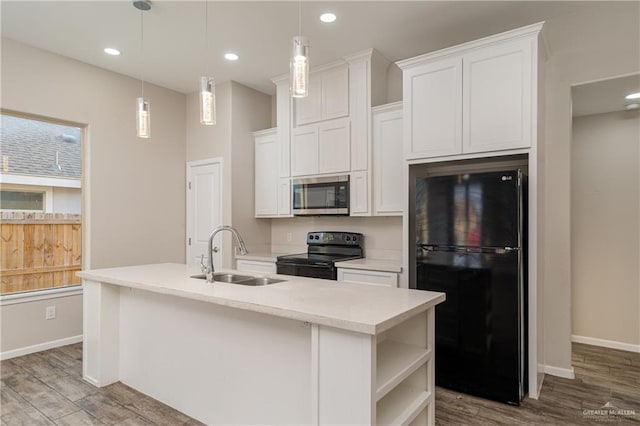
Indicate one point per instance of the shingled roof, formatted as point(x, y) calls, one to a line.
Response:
point(30, 147)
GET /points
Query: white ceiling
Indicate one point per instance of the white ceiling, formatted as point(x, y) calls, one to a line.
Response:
point(260, 32)
point(604, 96)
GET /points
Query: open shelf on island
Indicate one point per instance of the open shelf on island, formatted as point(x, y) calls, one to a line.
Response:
point(401, 405)
point(396, 361)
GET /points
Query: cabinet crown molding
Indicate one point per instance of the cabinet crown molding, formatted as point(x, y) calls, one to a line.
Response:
point(272, 130)
point(387, 107)
point(522, 32)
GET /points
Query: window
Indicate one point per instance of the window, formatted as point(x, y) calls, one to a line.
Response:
point(22, 200)
point(40, 204)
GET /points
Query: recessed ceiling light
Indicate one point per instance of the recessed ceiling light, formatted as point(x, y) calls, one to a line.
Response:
point(632, 106)
point(328, 17)
point(633, 96)
point(111, 51)
point(231, 56)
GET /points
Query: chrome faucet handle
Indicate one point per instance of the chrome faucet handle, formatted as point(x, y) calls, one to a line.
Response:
point(203, 267)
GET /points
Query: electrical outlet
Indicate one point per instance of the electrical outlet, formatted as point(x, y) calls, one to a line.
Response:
point(50, 312)
point(289, 237)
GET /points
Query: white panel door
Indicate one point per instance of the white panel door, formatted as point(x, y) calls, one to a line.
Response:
point(266, 174)
point(304, 150)
point(387, 162)
point(309, 108)
point(497, 97)
point(204, 208)
point(333, 146)
point(335, 92)
point(433, 109)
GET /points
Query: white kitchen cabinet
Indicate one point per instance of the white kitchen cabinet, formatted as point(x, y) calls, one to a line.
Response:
point(474, 98)
point(284, 197)
point(266, 173)
point(321, 148)
point(257, 266)
point(497, 97)
point(328, 96)
point(432, 95)
point(362, 276)
point(304, 150)
point(387, 160)
point(359, 204)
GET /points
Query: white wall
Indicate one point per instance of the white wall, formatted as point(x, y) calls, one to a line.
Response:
point(605, 227)
point(127, 181)
point(601, 43)
point(67, 200)
point(382, 235)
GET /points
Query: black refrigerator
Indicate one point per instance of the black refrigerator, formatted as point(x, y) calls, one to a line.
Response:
point(469, 245)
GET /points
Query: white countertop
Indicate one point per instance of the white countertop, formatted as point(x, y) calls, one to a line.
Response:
point(357, 307)
point(372, 265)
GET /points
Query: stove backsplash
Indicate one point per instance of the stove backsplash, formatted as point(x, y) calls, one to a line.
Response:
point(382, 235)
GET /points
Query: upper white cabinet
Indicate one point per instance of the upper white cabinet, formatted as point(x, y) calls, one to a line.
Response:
point(474, 98)
point(497, 94)
point(387, 160)
point(320, 148)
point(328, 96)
point(266, 173)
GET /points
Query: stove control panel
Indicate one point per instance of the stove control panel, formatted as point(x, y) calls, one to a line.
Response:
point(335, 238)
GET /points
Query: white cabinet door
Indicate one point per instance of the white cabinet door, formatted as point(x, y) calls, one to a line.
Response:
point(359, 194)
point(266, 173)
point(497, 93)
point(362, 276)
point(387, 160)
point(333, 146)
point(335, 93)
point(433, 108)
point(309, 108)
point(256, 266)
point(304, 150)
point(284, 197)
point(360, 110)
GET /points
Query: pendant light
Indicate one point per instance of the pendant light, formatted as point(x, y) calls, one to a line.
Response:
point(143, 109)
point(207, 84)
point(299, 65)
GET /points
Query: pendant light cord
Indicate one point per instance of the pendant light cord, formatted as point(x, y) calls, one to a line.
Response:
point(142, 49)
point(206, 37)
point(300, 17)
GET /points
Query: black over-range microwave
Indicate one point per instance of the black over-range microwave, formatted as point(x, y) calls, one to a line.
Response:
point(320, 196)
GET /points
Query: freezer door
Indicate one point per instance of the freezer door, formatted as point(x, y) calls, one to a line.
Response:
point(478, 210)
point(479, 328)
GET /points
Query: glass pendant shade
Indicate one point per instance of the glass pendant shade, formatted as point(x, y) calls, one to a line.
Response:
point(207, 101)
point(143, 118)
point(300, 67)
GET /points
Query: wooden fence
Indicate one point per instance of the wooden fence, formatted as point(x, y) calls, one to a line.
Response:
point(39, 251)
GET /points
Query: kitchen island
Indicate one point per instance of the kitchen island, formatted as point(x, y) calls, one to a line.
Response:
point(302, 351)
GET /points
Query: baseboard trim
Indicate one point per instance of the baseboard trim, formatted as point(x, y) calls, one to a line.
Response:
point(606, 343)
point(567, 373)
point(40, 347)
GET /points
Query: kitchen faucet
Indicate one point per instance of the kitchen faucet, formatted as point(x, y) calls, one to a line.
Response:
point(208, 268)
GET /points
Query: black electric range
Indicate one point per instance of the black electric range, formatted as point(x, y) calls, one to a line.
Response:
point(324, 249)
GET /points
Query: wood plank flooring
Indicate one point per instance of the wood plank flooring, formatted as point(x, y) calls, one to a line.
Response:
point(46, 388)
point(602, 376)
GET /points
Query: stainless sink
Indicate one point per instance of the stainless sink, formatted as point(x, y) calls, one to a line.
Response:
point(240, 279)
point(259, 281)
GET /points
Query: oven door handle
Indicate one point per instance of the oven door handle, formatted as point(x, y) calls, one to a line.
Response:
point(281, 263)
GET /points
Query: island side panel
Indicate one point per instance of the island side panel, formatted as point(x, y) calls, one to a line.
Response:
point(217, 364)
point(101, 327)
point(343, 371)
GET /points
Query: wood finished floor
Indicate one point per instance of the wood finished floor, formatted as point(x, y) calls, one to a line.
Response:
point(46, 388)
